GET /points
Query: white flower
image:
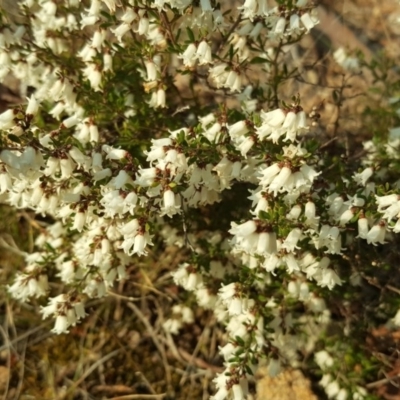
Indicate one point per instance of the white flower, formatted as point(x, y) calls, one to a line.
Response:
point(93, 74)
point(294, 24)
point(329, 278)
point(255, 32)
point(396, 227)
point(290, 243)
point(233, 81)
point(170, 207)
point(187, 277)
point(323, 359)
point(70, 122)
point(266, 243)
point(362, 177)
point(205, 298)
point(147, 177)
point(377, 234)
point(237, 392)
point(33, 106)
point(79, 221)
point(347, 62)
point(326, 379)
point(280, 180)
point(227, 292)
point(346, 217)
point(360, 394)
point(294, 213)
point(172, 325)
point(291, 263)
point(79, 310)
point(309, 21)
point(342, 395)
point(269, 173)
point(205, 6)
point(245, 229)
point(279, 27)
point(107, 62)
point(238, 129)
point(151, 70)
point(293, 289)
point(270, 263)
point(273, 118)
point(212, 132)
point(309, 173)
point(186, 312)
point(219, 74)
point(207, 119)
point(189, 55)
point(362, 227)
point(61, 325)
point(228, 350)
point(332, 389)
point(121, 30)
point(140, 245)
point(392, 211)
point(98, 39)
point(203, 53)
point(386, 201)
point(249, 9)
point(304, 291)
point(143, 26)
point(158, 99)
point(26, 285)
point(113, 153)
point(102, 174)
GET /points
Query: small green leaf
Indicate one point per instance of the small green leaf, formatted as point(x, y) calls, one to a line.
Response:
point(14, 138)
point(239, 340)
point(258, 60)
point(190, 35)
point(264, 216)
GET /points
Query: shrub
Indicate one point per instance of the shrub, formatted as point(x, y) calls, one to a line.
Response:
point(152, 124)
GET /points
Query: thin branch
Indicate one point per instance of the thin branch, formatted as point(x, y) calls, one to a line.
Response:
point(140, 397)
point(156, 342)
point(6, 340)
point(92, 368)
point(23, 336)
point(381, 382)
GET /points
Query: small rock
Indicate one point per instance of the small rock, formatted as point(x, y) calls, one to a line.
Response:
point(288, 385)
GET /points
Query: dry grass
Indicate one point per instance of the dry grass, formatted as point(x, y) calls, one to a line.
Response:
point(119, 351)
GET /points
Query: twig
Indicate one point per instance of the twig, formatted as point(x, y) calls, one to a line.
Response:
point(381, 382)
point(150, 288)
point(21, 378)
point(198, 362)
point(173, 349)
point(156, 342)
point(142, 376)
point(120, 296)
point(393, 289)
point(92, 368)
point(6, 340)
point(23, 336)
point(206, 332)
point(11, 247)
point(231, 30)
point(328, 142)
point(140, 397)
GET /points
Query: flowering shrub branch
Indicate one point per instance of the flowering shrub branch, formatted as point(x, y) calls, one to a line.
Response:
point(145, 114)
